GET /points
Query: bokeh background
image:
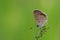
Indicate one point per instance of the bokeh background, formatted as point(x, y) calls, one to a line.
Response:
point(16, 19)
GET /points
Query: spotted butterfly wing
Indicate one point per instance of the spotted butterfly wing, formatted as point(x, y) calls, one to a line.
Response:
point(40, 18)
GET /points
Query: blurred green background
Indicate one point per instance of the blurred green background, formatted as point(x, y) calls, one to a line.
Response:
point(16, 18)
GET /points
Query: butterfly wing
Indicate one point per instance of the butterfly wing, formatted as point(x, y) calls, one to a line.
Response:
point(40, 19)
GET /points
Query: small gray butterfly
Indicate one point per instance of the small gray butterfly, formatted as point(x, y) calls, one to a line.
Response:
point(40, 18)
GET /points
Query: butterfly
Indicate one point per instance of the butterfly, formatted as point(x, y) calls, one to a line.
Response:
point(41, 19)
